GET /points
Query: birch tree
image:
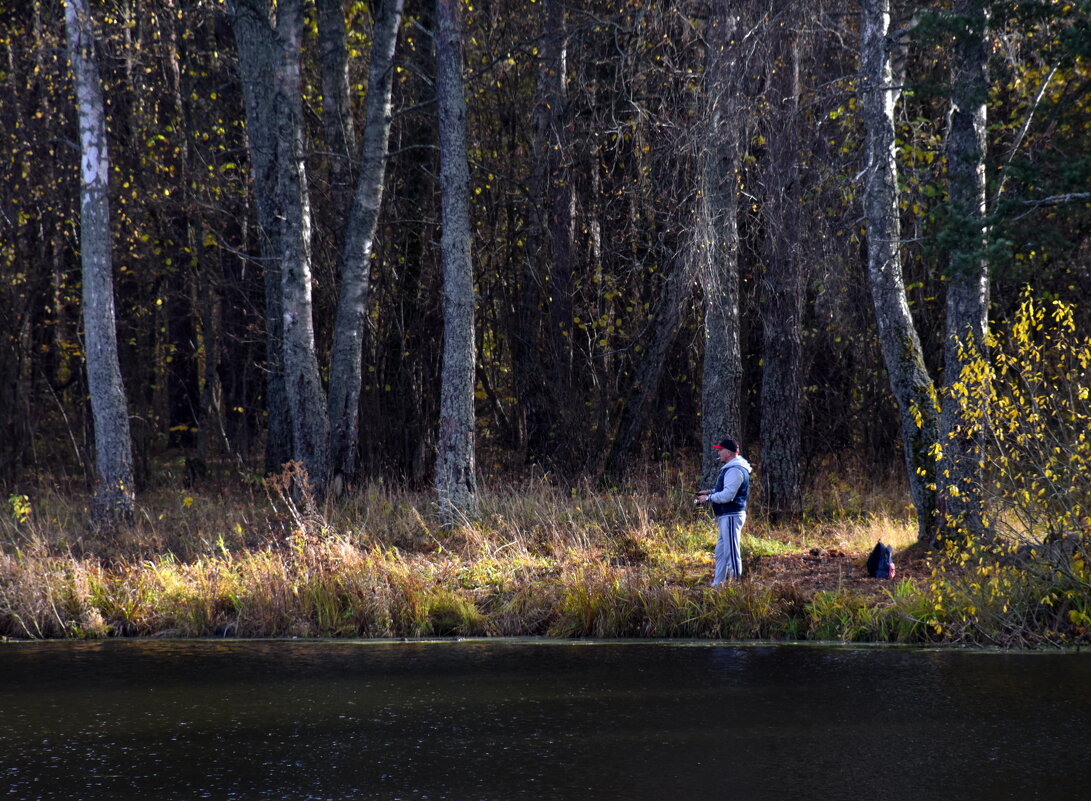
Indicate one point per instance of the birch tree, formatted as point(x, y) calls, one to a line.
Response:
point(346, 360)
point(113, 496)
point(456, 483)
point(324, 428)
point(909, 379)
point(306, 399)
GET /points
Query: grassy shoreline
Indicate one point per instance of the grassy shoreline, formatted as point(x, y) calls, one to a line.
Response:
point(537, 560)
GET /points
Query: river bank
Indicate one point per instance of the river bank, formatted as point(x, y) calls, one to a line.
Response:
point(537, 560)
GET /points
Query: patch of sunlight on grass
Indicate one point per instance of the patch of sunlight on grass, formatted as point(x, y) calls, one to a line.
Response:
point(757, 545)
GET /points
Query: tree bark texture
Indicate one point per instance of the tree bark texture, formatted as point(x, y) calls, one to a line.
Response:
point(336, 105)
point(909, 378)
point(543, 362)
point(346, 367)
point(306, 398)
point(958, 472)
point(717, 239)
point(782, 288)
point(456, 483)
point(561, 193)
point(113, 497)
point(255, 37)
point(676, 292)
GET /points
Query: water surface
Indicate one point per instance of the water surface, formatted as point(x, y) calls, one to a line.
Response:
point(503, 720)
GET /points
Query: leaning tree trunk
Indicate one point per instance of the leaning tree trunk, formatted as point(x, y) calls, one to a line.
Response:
point(909, 379)
point(717, 240)
point(346, 365)
point(256, 43)
point(306, 399)
point(674, 298)
point(113, 499)
point(782, 291)
point(958, 472)
point(456, 483)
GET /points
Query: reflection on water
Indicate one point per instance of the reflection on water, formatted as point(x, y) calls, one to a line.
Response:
point(538, 720)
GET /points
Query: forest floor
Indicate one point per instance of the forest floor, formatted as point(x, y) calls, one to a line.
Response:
point(832, 569)
point(536, 559)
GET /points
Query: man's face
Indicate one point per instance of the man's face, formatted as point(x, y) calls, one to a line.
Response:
point(725, 455)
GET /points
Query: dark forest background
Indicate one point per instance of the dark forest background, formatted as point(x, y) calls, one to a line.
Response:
point(586, 143)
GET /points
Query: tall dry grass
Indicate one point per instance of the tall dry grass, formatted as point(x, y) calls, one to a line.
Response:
point(536, 559)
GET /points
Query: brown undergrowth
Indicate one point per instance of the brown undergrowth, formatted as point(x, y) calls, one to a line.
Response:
point(535, 559)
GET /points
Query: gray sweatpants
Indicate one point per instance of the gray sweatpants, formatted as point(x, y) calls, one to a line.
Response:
point(728, 553)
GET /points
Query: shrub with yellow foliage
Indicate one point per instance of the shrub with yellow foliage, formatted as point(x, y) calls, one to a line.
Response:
point(1031, 408)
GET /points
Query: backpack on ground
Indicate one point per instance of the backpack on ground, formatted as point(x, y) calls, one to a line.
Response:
point(881, 562)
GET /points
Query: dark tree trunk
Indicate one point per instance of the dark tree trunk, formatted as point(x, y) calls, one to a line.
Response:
point(183, 381)
point(717, 240)
point(258, 52)
point(676, 292)
point(782, 289)
point(958, 472)
point(561, 195)
point(336, 106)
point(543, 347)
point(456, 483)
point(183, 377)
point(113, 499)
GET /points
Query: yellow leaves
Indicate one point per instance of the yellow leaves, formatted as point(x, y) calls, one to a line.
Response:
point(918, 418)
point(20, 508)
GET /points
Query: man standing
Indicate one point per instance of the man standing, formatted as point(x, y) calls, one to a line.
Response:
point(728, 500)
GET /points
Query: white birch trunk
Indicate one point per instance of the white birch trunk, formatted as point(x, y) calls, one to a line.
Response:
point(113, 499)
point(306, 398)
point(346, 366)
point(909, 379)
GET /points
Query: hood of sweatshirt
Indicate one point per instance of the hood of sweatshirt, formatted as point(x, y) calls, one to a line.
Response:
point(740, 461)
